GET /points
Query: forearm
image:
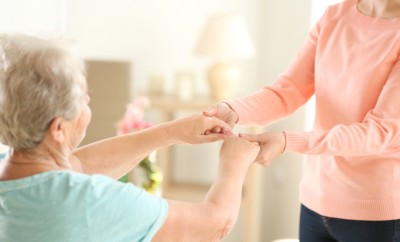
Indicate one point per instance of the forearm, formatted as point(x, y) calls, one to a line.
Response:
point(210, 220)
point(225, 193)
point(116, 156)
point(376, 133)
point(359, 139)
point(289, 92)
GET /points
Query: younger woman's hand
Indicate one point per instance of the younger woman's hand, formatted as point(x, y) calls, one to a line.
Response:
point(272, 144)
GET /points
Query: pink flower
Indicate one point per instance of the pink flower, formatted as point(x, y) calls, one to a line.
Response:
point(133, 117)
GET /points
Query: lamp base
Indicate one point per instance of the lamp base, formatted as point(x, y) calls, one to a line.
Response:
point(223, 79)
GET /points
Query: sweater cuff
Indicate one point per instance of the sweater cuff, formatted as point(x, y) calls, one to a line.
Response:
point(295, 142)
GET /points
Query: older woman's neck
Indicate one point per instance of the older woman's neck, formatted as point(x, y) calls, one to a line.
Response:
point(21, 164)
point(40, 158)
point(380, 8)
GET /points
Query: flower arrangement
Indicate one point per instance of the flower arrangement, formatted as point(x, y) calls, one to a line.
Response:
point(147, 174)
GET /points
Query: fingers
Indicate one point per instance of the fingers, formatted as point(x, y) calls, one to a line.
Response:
point(262, 159)
point(211, 111)
point(217, 130)
point(214, 137)
point(219, 126)
point(250, 137)
point(266, 153)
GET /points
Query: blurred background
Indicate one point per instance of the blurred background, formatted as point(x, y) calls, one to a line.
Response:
point(164, 49)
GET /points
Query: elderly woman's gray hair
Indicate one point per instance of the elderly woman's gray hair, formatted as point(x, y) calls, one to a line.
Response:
point(40, 79)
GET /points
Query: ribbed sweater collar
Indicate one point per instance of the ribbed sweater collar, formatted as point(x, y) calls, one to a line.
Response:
point(356, 17)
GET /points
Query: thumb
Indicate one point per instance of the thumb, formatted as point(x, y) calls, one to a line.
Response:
point(250, 137)
point(211, 111)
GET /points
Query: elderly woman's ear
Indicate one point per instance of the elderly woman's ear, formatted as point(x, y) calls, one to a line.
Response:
point(57, 130)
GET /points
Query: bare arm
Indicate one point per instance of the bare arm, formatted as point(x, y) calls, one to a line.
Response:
point(212, 219)
point(116, 156)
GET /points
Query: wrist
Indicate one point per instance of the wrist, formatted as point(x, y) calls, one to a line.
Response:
point(231, 169)
point(232, 111)
point(168, 133)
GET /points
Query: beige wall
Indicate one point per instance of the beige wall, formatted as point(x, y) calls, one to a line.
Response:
point(109, 90)
point(34, 17)
point(157, 35)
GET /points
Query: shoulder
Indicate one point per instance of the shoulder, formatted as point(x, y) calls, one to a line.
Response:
point(104, 195)
point(106, 191)
point(113, 206)
point(90, 187)
point(339, 10)
point(113, 211)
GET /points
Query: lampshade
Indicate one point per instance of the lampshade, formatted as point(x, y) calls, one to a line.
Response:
point(226, 36)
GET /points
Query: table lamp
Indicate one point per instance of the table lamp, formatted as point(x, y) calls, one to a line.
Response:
point(226, 38)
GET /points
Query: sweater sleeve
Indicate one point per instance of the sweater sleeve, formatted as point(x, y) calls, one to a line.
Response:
point(378, 133)
point(290, 91)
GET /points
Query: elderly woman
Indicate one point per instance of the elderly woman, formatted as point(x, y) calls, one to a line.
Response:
point(50, 190)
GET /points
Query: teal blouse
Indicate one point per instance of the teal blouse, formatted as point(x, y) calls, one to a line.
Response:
point(61, 206)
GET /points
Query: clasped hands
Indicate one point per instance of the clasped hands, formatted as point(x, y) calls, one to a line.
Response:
point(272, 144)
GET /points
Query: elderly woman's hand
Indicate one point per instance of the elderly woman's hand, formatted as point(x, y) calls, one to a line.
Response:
point(236, 150)
point(193, 129)
point(272, 144)
point(223, 112)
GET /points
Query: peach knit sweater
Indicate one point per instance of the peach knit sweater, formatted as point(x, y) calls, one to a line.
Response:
point(350, 62)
